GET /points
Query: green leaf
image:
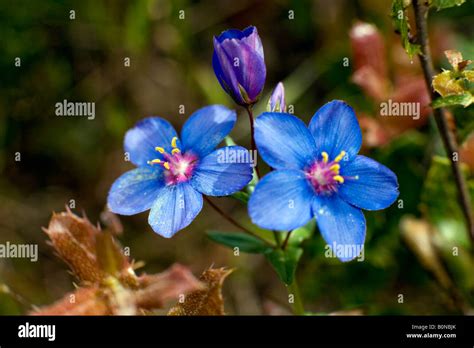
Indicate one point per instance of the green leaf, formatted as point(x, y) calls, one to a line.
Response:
point(244, 242)
point(241, 196)
point(302, 233)
point(400, 22)
point(285, 262)
point(464, 99)
point(442, 4)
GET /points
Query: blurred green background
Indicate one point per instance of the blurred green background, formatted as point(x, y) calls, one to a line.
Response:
point(72, 158)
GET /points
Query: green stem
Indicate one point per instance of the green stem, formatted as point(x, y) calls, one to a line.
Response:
point(287, 239)
point(293, 289)
point(252, 133)
point(277, 239)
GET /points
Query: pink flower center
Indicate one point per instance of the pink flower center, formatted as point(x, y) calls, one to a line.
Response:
point(178, 167)
point(324, 175)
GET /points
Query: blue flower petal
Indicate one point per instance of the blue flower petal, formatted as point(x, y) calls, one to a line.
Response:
point(228, 81)
point(141, 140)
point(175, 208)
point(136, 190)
point(223, 172)
point(249, 36)
point(335, 128)
point(206, 128)
point(284, 141)
point(375, 188)
point(281, 200)
point(341, 225)
point(240, 69)
point(234, 34)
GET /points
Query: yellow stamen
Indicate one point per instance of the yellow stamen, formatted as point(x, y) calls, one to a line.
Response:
point(175, 151)
point(166, 165)
point(173, 142)
point(155, 161)
point(335, 168)
point(325, 156)
point(160, 149)
point(339, 179)
point(340, 156)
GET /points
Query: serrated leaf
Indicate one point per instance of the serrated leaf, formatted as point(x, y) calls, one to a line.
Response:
point(285, 262)
point(73, 238)
point(469, 75)
point(402, 26)
point(244, 242)
point(442, 4)
point(446, 83)
point(464, 99)
point(110, 297)
point(156, 289)
point(208, 301)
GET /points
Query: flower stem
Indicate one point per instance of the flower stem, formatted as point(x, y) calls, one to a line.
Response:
point(277, 239)
point(287, 239)
point(421, 9)
point(293, 289)
point(252, 132)
point(232, 220)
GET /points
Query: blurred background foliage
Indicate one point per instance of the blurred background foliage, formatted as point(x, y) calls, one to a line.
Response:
point(72, 158)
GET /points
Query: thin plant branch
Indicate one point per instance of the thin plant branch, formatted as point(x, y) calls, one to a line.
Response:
point(421, 9)
point(232, 220)
point(287, 239)
point(252, 133)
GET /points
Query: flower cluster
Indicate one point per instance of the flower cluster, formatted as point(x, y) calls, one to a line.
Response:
point(319, 174)
point(173, 174)
point(317, 170)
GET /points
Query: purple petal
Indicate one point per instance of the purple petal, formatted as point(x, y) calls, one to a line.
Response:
point(239, 64)
point(277, 103)
point(249, 36)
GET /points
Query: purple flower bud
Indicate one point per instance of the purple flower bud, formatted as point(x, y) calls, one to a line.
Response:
point(277, 103)
point(239, 64)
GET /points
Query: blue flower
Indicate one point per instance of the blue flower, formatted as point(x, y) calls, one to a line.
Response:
point(173, 174)
point(319, 174)
point(239, 64)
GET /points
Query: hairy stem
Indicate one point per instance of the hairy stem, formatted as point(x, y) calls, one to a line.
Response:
point(293, 289)
point(421, 9)
point(252, 132)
